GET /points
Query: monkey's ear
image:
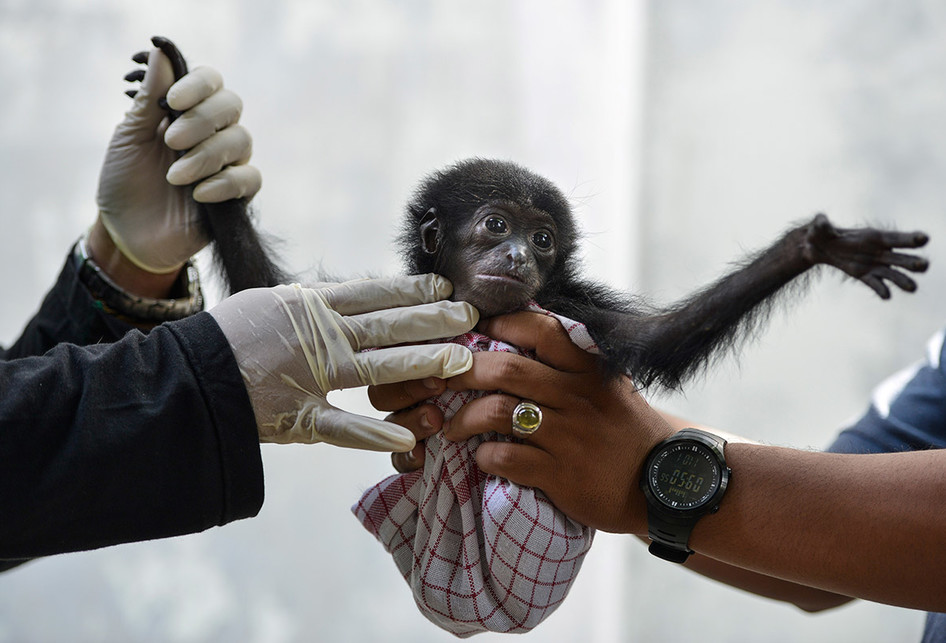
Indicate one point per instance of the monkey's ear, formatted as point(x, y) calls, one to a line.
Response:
point(430, 233)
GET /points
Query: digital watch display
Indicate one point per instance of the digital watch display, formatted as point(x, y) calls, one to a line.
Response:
point(684, 478)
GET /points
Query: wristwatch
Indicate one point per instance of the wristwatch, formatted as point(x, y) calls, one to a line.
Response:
point(684, 478)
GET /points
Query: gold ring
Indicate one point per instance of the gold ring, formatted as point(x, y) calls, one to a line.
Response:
point(526, 419)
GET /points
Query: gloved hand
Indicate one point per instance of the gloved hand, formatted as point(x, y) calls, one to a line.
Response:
point(295, 344)
point(153, 222)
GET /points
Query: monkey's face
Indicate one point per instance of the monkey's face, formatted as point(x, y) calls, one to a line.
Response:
point(502, 257)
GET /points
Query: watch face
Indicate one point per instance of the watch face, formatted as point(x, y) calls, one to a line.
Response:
point(684, 475)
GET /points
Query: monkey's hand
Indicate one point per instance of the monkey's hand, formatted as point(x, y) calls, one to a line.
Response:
point(142, 198)
point(867, 254)
point(295, 344)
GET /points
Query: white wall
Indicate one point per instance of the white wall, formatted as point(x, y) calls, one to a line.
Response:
point(349, 104)
point(760, 114)
point(750, 116)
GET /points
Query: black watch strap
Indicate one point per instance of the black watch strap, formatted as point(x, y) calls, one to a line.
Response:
point(668, 538)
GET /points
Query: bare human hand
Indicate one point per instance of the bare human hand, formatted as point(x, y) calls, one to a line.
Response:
point(404, 401)
point(596, 429)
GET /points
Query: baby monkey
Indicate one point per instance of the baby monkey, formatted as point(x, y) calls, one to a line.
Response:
point(505, 236)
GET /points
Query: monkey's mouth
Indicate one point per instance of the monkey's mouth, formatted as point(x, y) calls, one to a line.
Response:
point(506, 277)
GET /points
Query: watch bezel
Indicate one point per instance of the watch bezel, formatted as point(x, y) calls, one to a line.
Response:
point(714, 448)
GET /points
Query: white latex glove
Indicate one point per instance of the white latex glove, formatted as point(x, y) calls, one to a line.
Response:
point(150, 220)
point(295, 344)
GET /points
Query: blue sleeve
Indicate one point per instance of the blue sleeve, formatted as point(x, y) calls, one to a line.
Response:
point(907, 411)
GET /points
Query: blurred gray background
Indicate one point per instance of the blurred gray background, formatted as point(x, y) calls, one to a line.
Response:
point(687, 133)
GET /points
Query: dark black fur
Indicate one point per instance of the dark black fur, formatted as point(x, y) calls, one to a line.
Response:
point(653, 345)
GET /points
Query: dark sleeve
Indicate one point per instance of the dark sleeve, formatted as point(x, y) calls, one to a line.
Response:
point(907, 411)
point(67, 314)
point(148, 437)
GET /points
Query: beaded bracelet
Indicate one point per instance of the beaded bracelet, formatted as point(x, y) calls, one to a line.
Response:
point(136, 309)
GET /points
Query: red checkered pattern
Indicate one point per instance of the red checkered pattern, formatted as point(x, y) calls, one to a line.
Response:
point(479, 553)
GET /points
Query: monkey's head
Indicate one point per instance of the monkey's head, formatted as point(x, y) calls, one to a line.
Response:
point(495, 229)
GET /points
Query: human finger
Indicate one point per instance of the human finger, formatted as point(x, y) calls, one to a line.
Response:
point(410, 324)
point(488, 413)
point(524, 464)
point(422, 421)
point(543, 334)
point(234, 145)
point(365, 295)
point(233, 182)
point(349, 430)
point(198, 85)
point(409, 460)
point(217, 112)
point(514, 374)
point(401, 395)
point(398, 363)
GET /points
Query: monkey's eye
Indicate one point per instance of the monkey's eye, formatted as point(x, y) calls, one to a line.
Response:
point(542, 239)
point(496, 225)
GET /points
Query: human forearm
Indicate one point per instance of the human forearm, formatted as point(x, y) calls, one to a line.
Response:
point(88, 459)
point(125, 273)
point(868, 526)
point(804, 597)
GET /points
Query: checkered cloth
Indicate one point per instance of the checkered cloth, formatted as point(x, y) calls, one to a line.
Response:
point(479, 552)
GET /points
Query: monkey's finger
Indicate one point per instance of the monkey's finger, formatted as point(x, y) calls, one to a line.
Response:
point(405, 325)
point(900, 280)
point(905, 261)
point(365, 295)
point(524, 464)
point(232, 145)
point(218, 111)
point(145, 114)
point(399, 363)
point(877, 285)
point(199, 85)
point(543, 334)
point(894, 239)
point(234, 182)
point(403, 395)
point(135, 76)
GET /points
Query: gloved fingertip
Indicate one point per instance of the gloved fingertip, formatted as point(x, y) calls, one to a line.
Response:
point(459, 359)
point(442, 286)
point(472, 314)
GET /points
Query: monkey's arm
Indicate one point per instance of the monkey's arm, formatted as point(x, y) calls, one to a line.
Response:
point(672, 344)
